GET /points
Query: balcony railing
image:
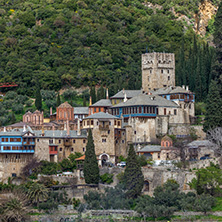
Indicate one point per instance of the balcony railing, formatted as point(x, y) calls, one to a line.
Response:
point(17, 151)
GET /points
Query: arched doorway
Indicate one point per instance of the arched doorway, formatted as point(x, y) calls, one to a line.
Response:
point(104, 159)
point(146, 186)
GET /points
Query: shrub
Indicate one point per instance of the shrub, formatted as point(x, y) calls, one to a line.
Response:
point(17, 108)
point(106, 178)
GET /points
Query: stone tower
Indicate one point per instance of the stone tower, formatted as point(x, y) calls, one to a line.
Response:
point(158, 70)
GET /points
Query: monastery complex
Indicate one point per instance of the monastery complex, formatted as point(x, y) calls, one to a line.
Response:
point(138, 117)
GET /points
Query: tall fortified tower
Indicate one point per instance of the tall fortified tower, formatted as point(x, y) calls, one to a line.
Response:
point(158, 70)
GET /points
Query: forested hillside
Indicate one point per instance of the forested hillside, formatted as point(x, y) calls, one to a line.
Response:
point(68, 42)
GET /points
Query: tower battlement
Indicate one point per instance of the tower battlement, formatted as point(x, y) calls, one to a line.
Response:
point(158, 70)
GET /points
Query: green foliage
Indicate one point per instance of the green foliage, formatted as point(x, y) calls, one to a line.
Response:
point(133, 176)
point(213, 117)
point(200, 108)
point(204, 203)
point(208, 180)
point(106, 178)
point(142, 160)
point(113, 198)
point(38, 99)
point(37, 193)
point(91, 168)
point(58, 100)
point(75, 202)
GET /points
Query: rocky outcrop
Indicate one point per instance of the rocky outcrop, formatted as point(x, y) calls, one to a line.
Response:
point(206, 11)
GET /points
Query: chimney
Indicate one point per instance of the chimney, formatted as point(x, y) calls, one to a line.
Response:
point(53, 133)
point(68, 130)
point(4, 129)
point(90, 100)
point(123, 91)
point(24, 128)
point(65, 127)
point(183, 86)
point(125, 99)
point(50, 111)
point(107, 93)
point(187, 88)
point(78, 128)
point(43, 132)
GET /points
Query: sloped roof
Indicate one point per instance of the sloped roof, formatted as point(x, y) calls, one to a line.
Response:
point(149, 100)
point(60, 133)
point(129, 94)
point(101, 115)
point(198, 143)
point(81, 158)
point(81, 110)
point(65, 105)
point(150, 148)
point(170, 90)
point(166, 138)
point(102, 102)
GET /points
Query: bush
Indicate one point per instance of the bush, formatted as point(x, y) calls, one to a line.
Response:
point(28, 103)
point(142, 160)
point(106, 178)
point(17, 108)
point(10, 95)
point(48, 94)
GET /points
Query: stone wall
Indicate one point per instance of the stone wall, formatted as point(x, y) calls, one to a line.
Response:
point(181, 129)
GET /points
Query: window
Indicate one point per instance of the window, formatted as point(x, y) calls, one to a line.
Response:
point(88, 123)
point(59, 141)
point(175, 112)
point(161, 70)
point(123, 141)
point(83, 149)
point(60, 149)
point(108, 131)
point(140, 109)
point(74, 141)
point(55, 148)
point(168, 77)
point(72, 149)
point(157, 111)
point(94, 109)
point(13, 174)
point(97, 123)
point(37, 140)
point(135, 132)
point(99, 109)
point(103, 140)
point(167, 155)
point(50, 141)
point(84, 141)
point(91, 122)
point(168, 71)
point(150, 72)
point(165, 111)
point(158, 155)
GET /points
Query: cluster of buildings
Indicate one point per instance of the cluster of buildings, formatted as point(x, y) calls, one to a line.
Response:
point(138, 117)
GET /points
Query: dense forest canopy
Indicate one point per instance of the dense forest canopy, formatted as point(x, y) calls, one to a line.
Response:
point(75, 43)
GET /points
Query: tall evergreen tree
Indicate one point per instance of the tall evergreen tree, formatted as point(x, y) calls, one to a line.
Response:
point(38, 99)
point(217, 65)
point(213, 116)
point(58, 101)
point(93, 94)
point(133, 175)
point(91, 168)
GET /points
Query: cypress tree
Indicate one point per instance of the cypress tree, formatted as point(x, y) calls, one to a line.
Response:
point(38, 99)
point(213, 117)
point(133, 176)
point(58, 101)
point(217, 65)
point(93, 94)
point(91, 168)
point(84, 101)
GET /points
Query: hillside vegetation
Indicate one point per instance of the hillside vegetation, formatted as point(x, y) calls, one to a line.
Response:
point(68, 42)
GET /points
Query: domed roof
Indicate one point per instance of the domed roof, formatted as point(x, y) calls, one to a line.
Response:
point(65, 105)
point(166, 138)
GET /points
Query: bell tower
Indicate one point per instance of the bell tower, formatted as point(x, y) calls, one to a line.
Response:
point(158, 70)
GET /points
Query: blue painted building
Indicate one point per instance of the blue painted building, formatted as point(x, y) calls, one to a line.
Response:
point(17, 141)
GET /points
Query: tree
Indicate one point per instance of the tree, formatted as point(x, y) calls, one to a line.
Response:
point(215, 137)
point(13, 210)
point(133, 175)
point(37, 193)
point(208, 180)
point(38, 99)
point(91, 168)
point(213, 117)
point(58, 101)
point(204, 203)
point(217, 65)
